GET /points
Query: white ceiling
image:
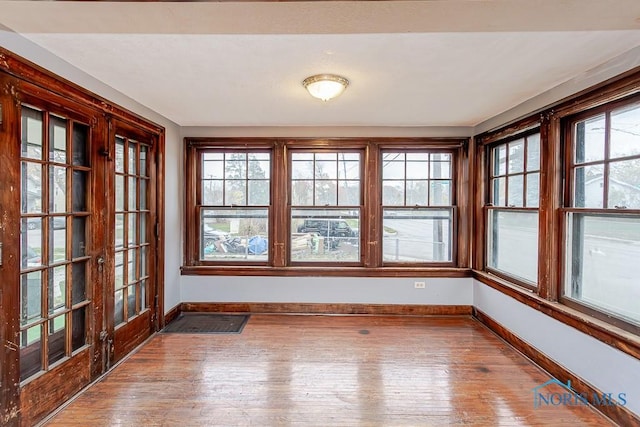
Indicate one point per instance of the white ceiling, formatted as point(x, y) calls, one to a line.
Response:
point(424, 63)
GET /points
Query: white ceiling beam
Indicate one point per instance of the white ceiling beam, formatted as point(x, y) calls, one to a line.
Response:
point(320, 17)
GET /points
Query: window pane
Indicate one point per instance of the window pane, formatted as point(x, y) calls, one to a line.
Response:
point(625, 132)
point(516, 190)
point(349, 193)
point(624, 184)
point(602, 263)
point(131, 266)
point(79, 237)
point(119, 193)
point(119, 270)
point(118, 307)
point(499, 193)
point(56, 338)
point(516, 156)
point(326, 193)
point(326, 235)
point(131, 301)
point(212, 192)
point(235, 166)
point(31, 187)
point(57, 189)
point(30, 352)
point(235, 192)
point(301, 168)
point(133, 194)
point(440, 169)
point(348, 169)
point(512, 244)
point(302, 193)
point(533, 152)
point(31, 297)
point(133, 158)
point(79, 201)
point(119, 232)
point(418, 169)
point(31, 133)
point(440, 193)
point(589, 187)
point(500, 160)
point(31, 242)
point(326, 170)
point(119, 154)
point(143, 228)
point(57, 239)
point(212, 169)
point(80, 143)
point(143, 194)
point(132, 237)
point(533, 190)
point(258, 193)
point(57, 139)
point(78, 328)
point(589, 140)
point(258, 169)
point(234, 235)
point(79, 275)
point(393, 193)
point(417, 235)
point(393, 166)
point(57, 288)
point(417, 193)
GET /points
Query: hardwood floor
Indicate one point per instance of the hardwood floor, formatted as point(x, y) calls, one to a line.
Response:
point(326, 371)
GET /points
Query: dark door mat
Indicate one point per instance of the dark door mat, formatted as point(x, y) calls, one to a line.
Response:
point(206, 323)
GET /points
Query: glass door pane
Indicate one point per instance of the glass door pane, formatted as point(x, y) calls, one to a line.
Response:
point(53, 239)
point(131, 229)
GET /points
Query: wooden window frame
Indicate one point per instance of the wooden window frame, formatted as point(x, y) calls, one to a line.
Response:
point(371, 264)
point(554, 150)
point(455, 181)
point(568, 207)
point(488, 194)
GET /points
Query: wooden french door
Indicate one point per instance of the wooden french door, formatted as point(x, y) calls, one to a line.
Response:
point(78, 242)
point(132, 303)
point(51, 240)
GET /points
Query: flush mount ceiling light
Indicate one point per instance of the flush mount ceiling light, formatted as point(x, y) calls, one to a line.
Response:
point(325, 86)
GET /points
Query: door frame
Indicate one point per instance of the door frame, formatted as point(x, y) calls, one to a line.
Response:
point(20, 78)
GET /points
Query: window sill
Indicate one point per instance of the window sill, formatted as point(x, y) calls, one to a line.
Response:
point(611, 335)
point(325, 271)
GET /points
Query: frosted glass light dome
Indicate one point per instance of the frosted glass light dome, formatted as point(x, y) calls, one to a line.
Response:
point(325, 86)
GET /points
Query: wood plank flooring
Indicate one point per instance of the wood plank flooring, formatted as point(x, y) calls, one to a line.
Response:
point(326, 371)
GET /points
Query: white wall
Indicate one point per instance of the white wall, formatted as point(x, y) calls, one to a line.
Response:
point(589, 78)
point(604, 367)
point(354, 290)
point(173, 164)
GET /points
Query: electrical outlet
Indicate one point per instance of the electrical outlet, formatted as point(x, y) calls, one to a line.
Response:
point(419, 285)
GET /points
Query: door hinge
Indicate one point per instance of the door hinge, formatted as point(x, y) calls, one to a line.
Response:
point(157, 230)
point(103, 335)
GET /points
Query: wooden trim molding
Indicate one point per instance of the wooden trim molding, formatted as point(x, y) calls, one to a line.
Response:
point(324, 271)
point(617, 413)
point(312, 308)
point(171, 315)
point(615, 337)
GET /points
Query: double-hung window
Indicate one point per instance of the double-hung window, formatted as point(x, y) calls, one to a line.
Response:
point(602, 211)
point(302, 206)
point(512, 211)
point(326, 206)
point(417, 207)
point(233, 201)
